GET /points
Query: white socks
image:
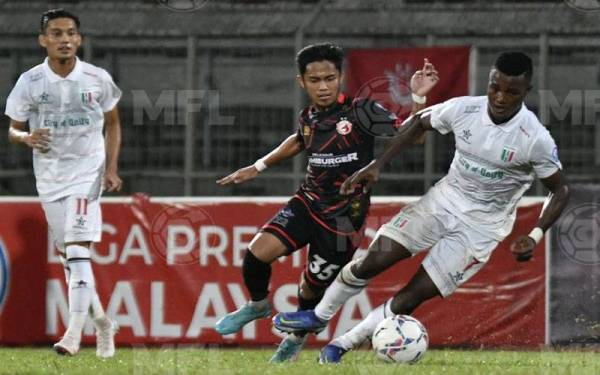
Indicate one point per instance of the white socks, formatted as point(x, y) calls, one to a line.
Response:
point(344, 286)
point(76, 322)
point(364, 330)
point(98, 315)
point(82, 288)
point(96, 311)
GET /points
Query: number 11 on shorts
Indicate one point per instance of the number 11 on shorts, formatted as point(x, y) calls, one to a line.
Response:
point(82, 206)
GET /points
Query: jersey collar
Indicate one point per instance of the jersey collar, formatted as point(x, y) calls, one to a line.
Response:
point(313, 112)
point(53, 77)
point(507, 126)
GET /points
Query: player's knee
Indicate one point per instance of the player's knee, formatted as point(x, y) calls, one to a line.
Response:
point(76, 251)
point(351, 275)
point(80, 266)
point(267, 249)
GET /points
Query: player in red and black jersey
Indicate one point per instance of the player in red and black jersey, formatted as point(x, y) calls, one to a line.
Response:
point(336, 147)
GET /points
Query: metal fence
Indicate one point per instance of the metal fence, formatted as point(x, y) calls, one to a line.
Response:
point(197, 108)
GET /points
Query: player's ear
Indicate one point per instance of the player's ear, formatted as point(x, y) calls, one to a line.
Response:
point(42, 40)
point(78, 40)
point(300, 81)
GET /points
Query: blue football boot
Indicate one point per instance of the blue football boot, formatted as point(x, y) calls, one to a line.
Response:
point(331, 354)
point(234, 321)
point(299, 321)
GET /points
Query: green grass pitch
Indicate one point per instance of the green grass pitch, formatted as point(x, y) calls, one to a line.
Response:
point(254, 361)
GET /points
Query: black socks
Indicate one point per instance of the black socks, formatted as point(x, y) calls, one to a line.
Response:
point(256, 276)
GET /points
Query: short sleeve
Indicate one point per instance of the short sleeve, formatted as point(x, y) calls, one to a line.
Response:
point(544, 156)
point(303, 127)
point(299, 135)
point(19, 103)
point(444, 115)
point(110, 93)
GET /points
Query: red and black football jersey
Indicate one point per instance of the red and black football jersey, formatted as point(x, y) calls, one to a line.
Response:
point(336, 147)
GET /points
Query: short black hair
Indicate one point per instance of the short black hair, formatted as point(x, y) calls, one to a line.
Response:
point(320, 52)
point(513, 63)
point(53, 14)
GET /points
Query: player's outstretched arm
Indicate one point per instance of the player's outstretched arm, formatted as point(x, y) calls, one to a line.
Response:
point(421, 84)
point(410, 132)
point(39, 139)
point(287, 149)
point(522, 248)
point(112, 181)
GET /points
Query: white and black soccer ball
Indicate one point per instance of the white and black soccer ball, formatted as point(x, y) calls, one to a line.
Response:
point(400, 339)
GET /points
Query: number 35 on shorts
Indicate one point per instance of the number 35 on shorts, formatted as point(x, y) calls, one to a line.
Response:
point(321, 269)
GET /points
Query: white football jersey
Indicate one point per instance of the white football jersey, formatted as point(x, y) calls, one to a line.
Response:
point(73, 109)
point(493, 165)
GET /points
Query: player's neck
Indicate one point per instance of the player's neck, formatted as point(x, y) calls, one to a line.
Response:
point(62, 67)
point(319, 108)
point(502, 121)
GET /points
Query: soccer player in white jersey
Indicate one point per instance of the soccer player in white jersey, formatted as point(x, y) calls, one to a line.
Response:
point(60, 108)
point(500, 146)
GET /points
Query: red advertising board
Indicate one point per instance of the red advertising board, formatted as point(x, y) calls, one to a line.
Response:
point(384, 74)
point(167, 270)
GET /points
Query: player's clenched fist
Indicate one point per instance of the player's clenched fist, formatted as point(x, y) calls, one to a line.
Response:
point(112, 181)
point(522, 248)
point(239, 176)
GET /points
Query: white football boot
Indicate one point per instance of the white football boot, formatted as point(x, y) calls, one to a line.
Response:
point(67, 346)
point(105, 340)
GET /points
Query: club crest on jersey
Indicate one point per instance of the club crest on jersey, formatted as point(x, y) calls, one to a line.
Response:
point(343, 127)
point(508, 154)
point(86, 97)
point(306, 130)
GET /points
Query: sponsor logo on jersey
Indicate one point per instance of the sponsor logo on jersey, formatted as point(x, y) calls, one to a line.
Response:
point(44, 98)
point(332, 160)
point(472, 109)
point(36, 77)
point(480, 170)
point(4, 273)
point(343, 127)
point(508, 154)
point(466, 134)
point(69, 121)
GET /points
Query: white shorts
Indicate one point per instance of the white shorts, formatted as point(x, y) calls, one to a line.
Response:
point(75, 218)
point(457, 251)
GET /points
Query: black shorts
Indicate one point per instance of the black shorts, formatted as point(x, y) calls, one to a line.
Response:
point(329, 249)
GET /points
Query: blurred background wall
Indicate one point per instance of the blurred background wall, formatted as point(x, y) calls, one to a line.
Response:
point(239, 56)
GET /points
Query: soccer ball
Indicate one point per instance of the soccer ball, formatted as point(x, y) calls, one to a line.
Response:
point(400, 339)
